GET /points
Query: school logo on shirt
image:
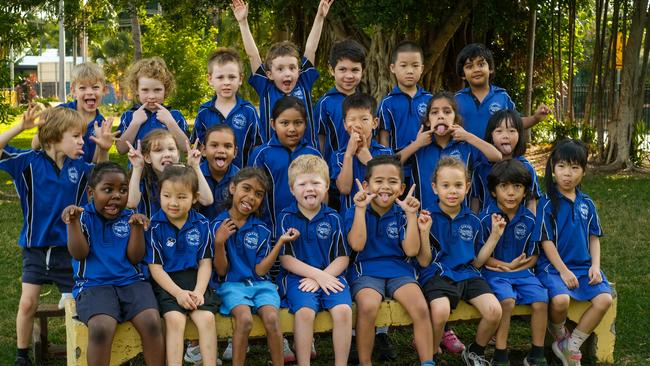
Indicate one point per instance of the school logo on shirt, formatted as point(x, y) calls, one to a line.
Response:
point(251, 239)
point(456, 154)
point(323, 230)
point(170, 242)
point(392, 231)
point(584, 211)
point(495, 107)
point(224, 193)
point(466, 232)
point(73, 175)
point(193, 237)
point(239, 121)
point(121, 229)
point(422, 109)
point(520, 231)
point(297, 93)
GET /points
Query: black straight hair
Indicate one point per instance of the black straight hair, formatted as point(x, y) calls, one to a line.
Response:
point(384, 160)
point(470, 52)
point(566, 150)
point(348, 49)
point(242, 175)
point(289, 102)
point(509, 171)
point(511, 119)
point(406, 46)
point(359, 101)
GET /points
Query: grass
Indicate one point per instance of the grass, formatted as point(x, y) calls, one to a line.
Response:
point(624, 207)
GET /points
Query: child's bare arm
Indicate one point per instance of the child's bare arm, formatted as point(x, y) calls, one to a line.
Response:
point(203, 276)
point(325, 281)
point(338, 265)
point(135, 249)
point(424, 227)
point(28, 122)
point(77, 243)
point(540, 114)
point(240, 10)
point(595, 276)
point(194, 161)
point(137, 166)
point(346, 177)
point(490, 152)
point(553, 256)
point(316, 29)
point(411, 243)
point(221, 235)
point(357, 235)
point(498, 226)
point(264, 266)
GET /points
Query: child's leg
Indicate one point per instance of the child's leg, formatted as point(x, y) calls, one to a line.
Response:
point(490, 309)
point(204, 321)
point(507, 305)
point(592, 317)
point(147, 323)
point(558, 310)
point(243, 326)
point(101, 329)
point(269, 315)
point(25, 316)
point(538, 322)
point(341, 333)
point(303, 334)
point(440, 311)
point(411, 298)
point(368, 302)
point(174, 330)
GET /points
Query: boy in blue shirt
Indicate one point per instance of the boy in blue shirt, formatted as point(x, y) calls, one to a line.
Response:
point(509, 271)
point(47, 181)
point(283, 72)
point(481, 99)
point(225, 76)
point(314, 263)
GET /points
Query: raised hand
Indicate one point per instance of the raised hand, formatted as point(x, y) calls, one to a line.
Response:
point(71, 213)
point(569, 279)
point(103, 136)
point(139, 116)
point(423, 138)
point(458, 133)
point(225, 230)
point(193, 153)
point(595, 276)
point(498, 224)
point(164, 115)
point(239, 10)
point(30, 116)
point(290, 235)
point(410, 204)
point(542, 112)
point(138, 219)
point(362, 198)
point(425, 221)
point(324, 8)
point(308, 285)
point(353, 143)
point(135, 155)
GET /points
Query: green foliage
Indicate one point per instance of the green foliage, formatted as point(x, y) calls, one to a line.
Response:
point(640, 132)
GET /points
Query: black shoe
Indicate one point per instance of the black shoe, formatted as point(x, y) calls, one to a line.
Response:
point(353, 357)
point(384, 348)
point(22, 361)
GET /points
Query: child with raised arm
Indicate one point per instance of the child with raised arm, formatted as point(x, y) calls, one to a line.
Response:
point(243, 257)
point(283, 71)
point(383, 232)
point(568, 228)
point(106, 241)
point(509, 271)
point(450, 264)
point(151, 83)
point(314, 261)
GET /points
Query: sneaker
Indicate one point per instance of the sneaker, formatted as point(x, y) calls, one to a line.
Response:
point(64, 296)
point(452, 343)
point(22, 361)
point(313, 354)
point(289, 356)
point(561, 350)
point(384, 348)
point(227, 353)
point(193, 354)
point(472, 359)
point(530, 361)
point(557, 338)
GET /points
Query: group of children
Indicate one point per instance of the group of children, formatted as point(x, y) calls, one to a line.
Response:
point(426, 199)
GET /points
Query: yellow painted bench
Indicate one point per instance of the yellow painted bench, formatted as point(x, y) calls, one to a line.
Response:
point(126, 343)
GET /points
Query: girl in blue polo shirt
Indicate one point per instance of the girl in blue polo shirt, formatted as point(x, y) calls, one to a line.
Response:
point(243, 258)
point(179, 253)
point(568, 228)
point(106, 242)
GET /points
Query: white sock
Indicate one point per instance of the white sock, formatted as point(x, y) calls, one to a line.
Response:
point(557, 330)
point(576, 340)
point(381, 330)
point(354, 332)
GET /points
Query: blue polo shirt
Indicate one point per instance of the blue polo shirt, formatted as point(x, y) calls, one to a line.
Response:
point(44, 191)
point(321, 239)
point(89, 145)
point(242, 119)
point(107, 263)
point(476, 114)
point(453, 245)
point(383, 255)
point(219, 191)
point(358, 170)
point(274, 159)
point(151, 123)
point(425, 161)
point(568, 226)
point(178, 249)
point(516, 240)
point(328, 113)
point(401, 116)
point(269, 94)
point(245, 249)
point(150, 198)
point(480, 188)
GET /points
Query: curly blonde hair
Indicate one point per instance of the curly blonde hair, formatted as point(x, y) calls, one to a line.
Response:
point(153, 68)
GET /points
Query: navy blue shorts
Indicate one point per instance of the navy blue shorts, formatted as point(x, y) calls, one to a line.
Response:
point(439, 286)
point(122, 303)
point(45, 265)
point(385, 286)
point(187, 281)
point(525, 290)
point(584, 292)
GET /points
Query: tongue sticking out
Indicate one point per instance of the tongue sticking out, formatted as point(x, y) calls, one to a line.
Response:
point(310, 200)
point(220, 163)
point(440, 129)
point(506, 148)
point(384, 197)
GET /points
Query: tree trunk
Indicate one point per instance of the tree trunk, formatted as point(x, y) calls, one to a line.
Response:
point(135, 33)
point(611, 130)
point(558, 29)
point(377, 79)
point(532, 25)
point(556, 103)
point(602, 77)
point(640, 88)
point(597, 57)
point(624, 120)
point(570, 76)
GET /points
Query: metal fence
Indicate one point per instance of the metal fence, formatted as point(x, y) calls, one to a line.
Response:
point(601, 109)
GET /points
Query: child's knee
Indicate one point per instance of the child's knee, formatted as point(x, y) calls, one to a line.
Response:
point(492, 312)
point(602, 301)
point(507, 305)
point(341, 314)
point(27, 305)
point(305, 315)
point(100, 332)
point(420, 312)
point(150, 320)
point(440, 314)
point(367, 308)
point(560, 303)
point(244, 322)
point(539, 307)
point(175, 320)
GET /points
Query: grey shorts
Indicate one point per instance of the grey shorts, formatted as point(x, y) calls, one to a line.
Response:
point(386, 287)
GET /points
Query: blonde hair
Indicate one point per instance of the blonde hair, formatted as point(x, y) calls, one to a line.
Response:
point(55, 122)
point(153, 68)
point(308, 164)
point(222, 56)
point(450, 162)
point(87, 72)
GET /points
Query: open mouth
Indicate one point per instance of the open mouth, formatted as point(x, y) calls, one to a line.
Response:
point(440, 128)
point(166, 162)
point(245, 206)
point(91, 103)
point(286, 84)
point(384, 197)
point(311, 200)
point(220, 162)
point(111, 209)
point(506, 148)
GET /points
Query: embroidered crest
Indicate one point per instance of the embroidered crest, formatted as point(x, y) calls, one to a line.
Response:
point(495, 107)
point(251, 239)
point(392, 230)
point(73, 175)
point(466, 232)
point(239, 121)
point(323, 230)
point(121, 229)
point(170, 242)
point(584, 211)
point(297, 92)
point(520, 231)
point(422, 109)
point(193, 237)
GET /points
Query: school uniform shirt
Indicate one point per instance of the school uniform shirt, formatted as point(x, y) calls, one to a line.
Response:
point(480, 188)
point(89, 145)
point(328, 113)
point(517, 238)
point(149, 198)
point(245, 248)
point(274, 158)
point(219, 190)
point(242, 119)
point(568, 226)
point(383, 255)
point(425, 161)
point(178, 249)
point(476, 114)
point(453, 245)
point(358, 170)
point(321, 239)
point(269, 95)
point(151, 123)
point(401, 116)
point(44, 191)
point(107, 263)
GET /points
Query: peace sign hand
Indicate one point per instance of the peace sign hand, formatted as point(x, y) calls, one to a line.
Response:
point(362, 198)
point(135, 155)
point(193, 153)
point(410, 204)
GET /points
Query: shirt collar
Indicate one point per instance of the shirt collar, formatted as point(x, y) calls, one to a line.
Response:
point(205, 169)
